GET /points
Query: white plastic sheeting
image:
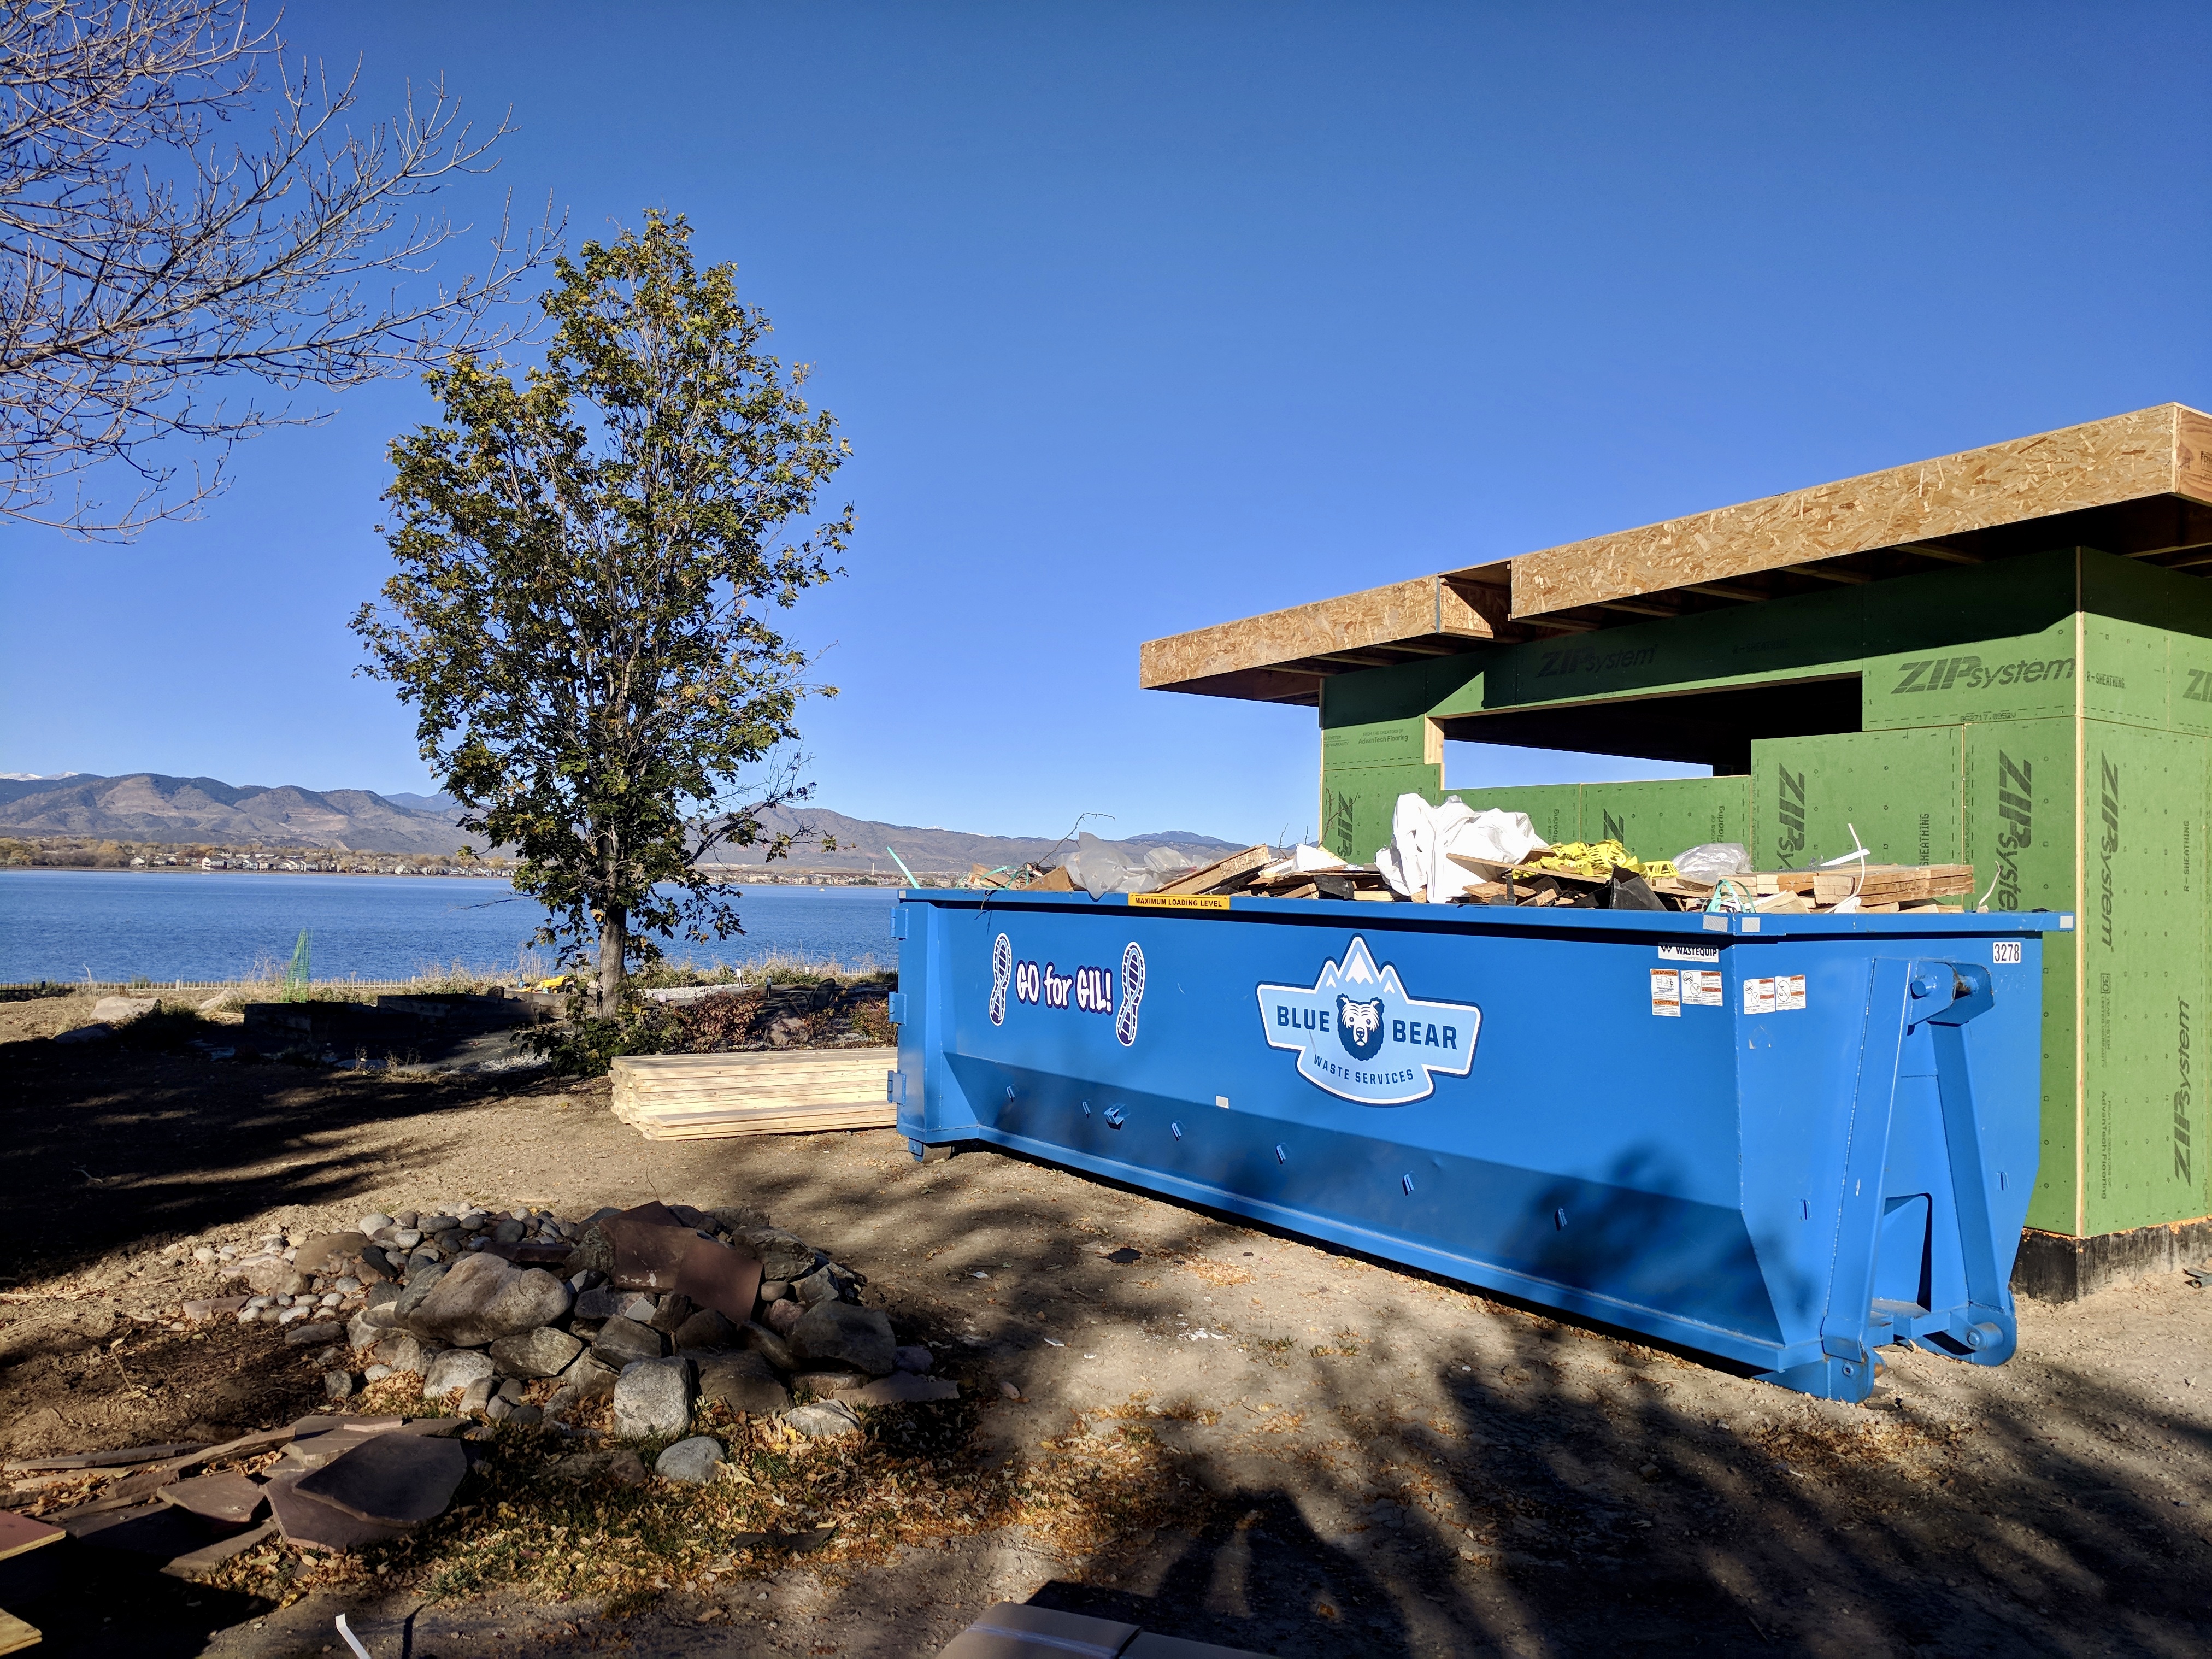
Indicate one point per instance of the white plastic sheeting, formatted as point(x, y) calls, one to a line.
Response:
point(1418, 861)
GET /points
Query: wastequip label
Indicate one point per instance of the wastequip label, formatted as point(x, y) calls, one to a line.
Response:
point(1359, 1035)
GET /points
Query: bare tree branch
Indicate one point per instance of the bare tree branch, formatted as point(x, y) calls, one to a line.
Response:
point(145, 258)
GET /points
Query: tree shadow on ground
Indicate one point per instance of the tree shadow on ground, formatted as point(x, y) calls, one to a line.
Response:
point(103, 1147)
point(1557, 1487)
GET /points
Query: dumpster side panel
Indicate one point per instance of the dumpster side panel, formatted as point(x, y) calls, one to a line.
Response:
point(1617, 1190)
point(1512, 1102)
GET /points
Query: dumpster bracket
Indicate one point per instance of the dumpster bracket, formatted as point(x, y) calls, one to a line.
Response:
point(1904, 996)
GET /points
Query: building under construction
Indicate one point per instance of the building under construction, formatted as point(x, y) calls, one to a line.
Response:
point(2002, 656)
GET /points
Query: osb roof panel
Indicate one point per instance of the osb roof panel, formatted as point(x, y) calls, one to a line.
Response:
point(2160, 453)
point(1425, 608)
point(2099, 463)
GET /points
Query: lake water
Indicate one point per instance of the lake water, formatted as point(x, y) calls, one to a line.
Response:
point(114, 926)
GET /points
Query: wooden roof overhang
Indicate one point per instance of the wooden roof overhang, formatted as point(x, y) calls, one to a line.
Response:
point(2137, 485)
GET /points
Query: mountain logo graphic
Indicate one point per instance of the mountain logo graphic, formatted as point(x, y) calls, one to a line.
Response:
point(1360, 1035)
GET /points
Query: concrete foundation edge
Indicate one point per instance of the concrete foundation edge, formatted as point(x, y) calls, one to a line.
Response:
point(2053, 1267)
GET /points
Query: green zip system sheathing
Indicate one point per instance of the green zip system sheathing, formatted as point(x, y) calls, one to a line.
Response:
point(2047, 719)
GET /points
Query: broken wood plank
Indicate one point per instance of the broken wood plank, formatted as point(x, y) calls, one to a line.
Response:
point(106, 1460)
point(1231, 867)
point(19, 1534)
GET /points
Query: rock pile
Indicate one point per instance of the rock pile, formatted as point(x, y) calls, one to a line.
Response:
point(660, 1310)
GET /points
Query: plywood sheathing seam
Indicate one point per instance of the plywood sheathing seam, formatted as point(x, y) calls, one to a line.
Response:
point(1407, 616)
point(2100, 464)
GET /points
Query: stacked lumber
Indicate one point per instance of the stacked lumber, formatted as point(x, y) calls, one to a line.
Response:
point(1256, 872)
point(774, 1092)
point(1878, 888)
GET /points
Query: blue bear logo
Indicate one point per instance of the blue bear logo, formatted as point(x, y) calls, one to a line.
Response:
point(1359, 1026)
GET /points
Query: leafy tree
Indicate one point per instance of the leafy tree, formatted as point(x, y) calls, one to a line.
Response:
point(582, 617)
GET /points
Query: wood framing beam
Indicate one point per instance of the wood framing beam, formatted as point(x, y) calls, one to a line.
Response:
point(2165, 450)
point(1380, 618)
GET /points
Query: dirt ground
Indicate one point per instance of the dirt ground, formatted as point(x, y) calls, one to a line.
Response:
point(1376, 1462)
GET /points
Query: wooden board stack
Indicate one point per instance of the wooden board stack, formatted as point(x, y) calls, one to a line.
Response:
point(777, 1091)
point(1881, 887)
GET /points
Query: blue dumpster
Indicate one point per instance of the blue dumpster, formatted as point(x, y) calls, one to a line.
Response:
point(1782, 1140)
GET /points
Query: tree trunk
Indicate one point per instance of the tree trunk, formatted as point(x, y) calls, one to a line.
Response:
point(614, 955)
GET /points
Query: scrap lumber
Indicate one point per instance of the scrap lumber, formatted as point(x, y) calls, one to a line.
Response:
point(778, 1091)
point(16, 1635)
point(1877, 883)
point(1220, 873)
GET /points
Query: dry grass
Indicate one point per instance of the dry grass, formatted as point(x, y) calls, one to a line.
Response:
point(911, 1478)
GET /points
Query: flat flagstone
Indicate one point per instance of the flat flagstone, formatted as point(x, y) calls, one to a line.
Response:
point(308, 1523)
point(229, 1498)
point(393, 1479)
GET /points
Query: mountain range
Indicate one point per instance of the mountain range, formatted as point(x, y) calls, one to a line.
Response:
point(149, 806)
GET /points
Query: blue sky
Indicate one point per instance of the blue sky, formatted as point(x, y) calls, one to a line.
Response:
point(1141, 318)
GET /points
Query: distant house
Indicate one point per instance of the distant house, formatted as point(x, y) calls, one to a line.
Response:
point(212, 863)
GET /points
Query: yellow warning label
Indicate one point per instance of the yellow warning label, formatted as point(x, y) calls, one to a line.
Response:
point(1179, 901)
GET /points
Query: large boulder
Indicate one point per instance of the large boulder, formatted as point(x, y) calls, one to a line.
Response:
point(589, 1379)
point(624, 1341)
point(695, 1460)
point(782, 1255)
point(652, 1398)
point(420, 1284)
point(405, 1353)
point(482, 1299)
point(456, 1368)
point(768, 1344)
point(544, 1352)
point(705, 1330)
point(325, 1252)
point(824, 1420)
point(837, 1332)
point(743, 1384)
point(610, 1301)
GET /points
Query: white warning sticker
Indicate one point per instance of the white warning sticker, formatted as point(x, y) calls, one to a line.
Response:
point(1758, 996)
point(1666, 992)
point(1788, 993)
point(2004, 950)
point(1701, 987)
